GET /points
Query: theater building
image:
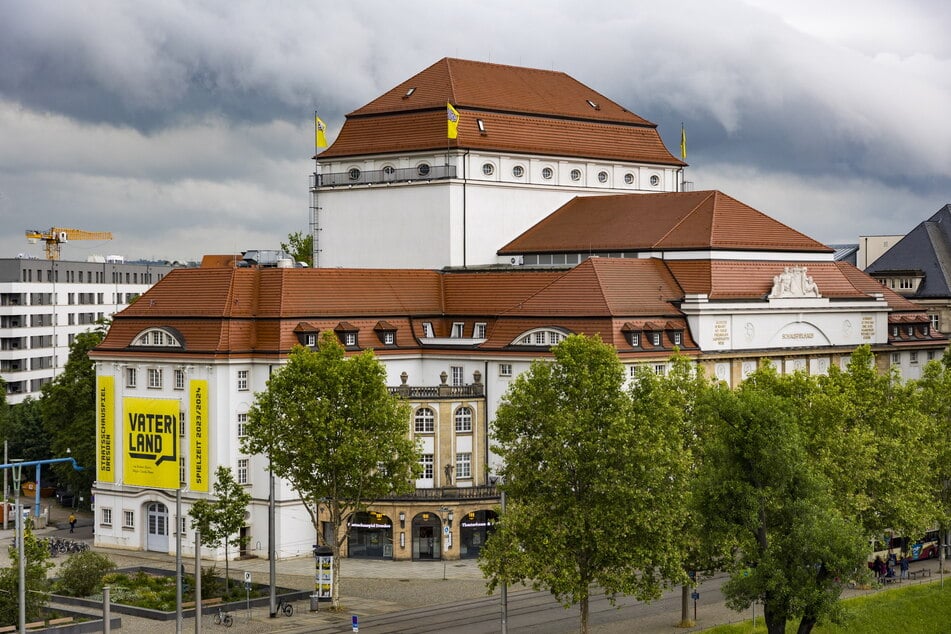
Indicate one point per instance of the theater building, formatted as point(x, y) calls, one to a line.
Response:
point(649, 272)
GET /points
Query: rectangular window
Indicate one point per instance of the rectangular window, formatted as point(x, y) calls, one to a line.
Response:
point(660, 369)
point(676, 338)
point(896, 358)
point(105, 517)
point(242, 425)
point(913, 357)
point(904, 283)
point(635, 339)
point(931, 355)
point(505, 369)
point(179, 379)
point(541, 338)
point(181, 423)
point(350, 338)
point(155, 378)
point(242, 380)
point(428, 330)
point(128, 519)
point(242, 474)
point(935, 321)
point(427, 463)
point(389, 338)
point(311, 340)
point(463, 465)
point(130, 376)
point(456, 372)
point(182, 473)
point(457, 330)
point(655, 338)
point(479, 331)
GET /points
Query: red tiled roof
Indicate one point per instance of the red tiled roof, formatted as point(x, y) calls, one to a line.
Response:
point(606, 286)
point(670, 221)
point(524, 110)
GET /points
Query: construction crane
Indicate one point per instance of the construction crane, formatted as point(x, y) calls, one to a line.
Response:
point(58, 236)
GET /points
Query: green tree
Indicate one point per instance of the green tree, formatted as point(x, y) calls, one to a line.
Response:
point(23, 429)
point(68, 408)
point(221, 519)
point(37, 556)
point(81, 575)
point(335, 433)
point(935, 385)
point(301, 246)
point(591, 482)
point(682, 397)
point(764, 493)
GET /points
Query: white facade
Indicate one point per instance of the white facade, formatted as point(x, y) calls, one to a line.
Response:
point(44, 304)
point(455, 209)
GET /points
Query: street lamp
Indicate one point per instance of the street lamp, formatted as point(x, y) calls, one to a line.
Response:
point(447, 516)
point(21, 565)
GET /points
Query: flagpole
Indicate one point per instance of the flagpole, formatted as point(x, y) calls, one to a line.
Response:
point(683, 157)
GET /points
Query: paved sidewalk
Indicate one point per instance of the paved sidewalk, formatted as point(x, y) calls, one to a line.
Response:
point(374, 587)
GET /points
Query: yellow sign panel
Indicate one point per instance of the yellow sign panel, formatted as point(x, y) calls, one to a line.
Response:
point(198, 393)
point(105, 450)
point(150, 428)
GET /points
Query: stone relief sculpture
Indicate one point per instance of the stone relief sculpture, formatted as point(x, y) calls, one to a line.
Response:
point(793, 282)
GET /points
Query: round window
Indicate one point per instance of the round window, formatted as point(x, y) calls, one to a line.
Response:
point(354, 174)
point(423, 169)
point(547, 173)
point(655, 180)
point(576, 175)
point(602, 177)
point(488, 169)
point(518, 171)
point(629, 178)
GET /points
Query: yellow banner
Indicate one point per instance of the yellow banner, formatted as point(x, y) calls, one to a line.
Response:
point(198, 395)
point(150, 427)
point(105, 419)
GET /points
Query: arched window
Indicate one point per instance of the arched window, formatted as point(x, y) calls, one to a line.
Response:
point(464, 419)
point(425, 420)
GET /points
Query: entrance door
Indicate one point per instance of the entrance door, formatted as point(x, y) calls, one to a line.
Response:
point(427, 542)
point(245, 539)
point(158, 527)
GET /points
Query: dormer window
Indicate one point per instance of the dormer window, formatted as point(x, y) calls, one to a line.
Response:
point(925, 330)
point(911, 331)
point(157, 338)
point(347, 334)
point(676, 337)
point(655, 338)
point(386, 332)
point(428, 330)
point(457, 330)
point(310, 340)
point(634, 338)
point(894, 331)
point(540, 337)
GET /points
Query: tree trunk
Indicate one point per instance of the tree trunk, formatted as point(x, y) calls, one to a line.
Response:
point(775, 620)
point(584, 614)
point(806, 625)
point(227, 574)
point(685, 620)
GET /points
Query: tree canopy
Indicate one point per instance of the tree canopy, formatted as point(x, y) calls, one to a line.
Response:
point(301, 246)
point(68, 409)
point(335, 433)
point(588, 482)
point(220, 519)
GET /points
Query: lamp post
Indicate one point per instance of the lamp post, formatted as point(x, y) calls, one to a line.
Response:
point(21, 565)
point(17, 467)
point(447, 536)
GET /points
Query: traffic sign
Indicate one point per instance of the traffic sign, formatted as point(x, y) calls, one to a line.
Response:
point(445, 530)
point(355, 623)
point(247, 577)
point(694, 595)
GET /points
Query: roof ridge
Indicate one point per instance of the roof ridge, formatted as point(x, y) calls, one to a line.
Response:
point(597, 274)
point(941, 248)
point(690, 214)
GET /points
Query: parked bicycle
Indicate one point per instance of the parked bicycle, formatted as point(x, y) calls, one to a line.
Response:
point(285, 606)
point(223, 618)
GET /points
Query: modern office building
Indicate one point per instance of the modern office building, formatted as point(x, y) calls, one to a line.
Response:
point(44, 304)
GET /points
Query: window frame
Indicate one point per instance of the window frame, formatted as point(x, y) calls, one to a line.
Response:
point(105, 516)
point(155, 378)
point(243, 379)
point(128, 519)
point(179, 379)
point(462, 419)
point(424, 423)
point(427, 462)
point(464, 465)
point(131, 377)
point(242, 471)
point(505, 369)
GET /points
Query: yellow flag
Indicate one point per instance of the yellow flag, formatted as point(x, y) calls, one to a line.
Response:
point(321, 130)
point(683, 142)
point(452, 116)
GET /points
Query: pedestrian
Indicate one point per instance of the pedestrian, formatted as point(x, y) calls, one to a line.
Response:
point(72, 522)
point(903, 565)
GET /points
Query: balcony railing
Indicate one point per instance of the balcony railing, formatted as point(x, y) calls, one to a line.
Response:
point(473, 390)
point(483, 492)
point(384, 176)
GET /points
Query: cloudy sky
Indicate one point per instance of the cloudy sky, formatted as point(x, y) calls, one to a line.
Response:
point(186, 128)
